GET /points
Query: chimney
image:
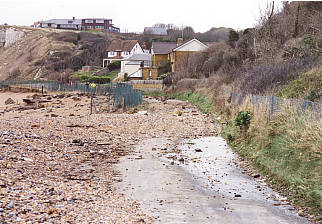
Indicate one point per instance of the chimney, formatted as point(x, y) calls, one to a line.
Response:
point(143, 45)
point(179, 41)
point(73, 18)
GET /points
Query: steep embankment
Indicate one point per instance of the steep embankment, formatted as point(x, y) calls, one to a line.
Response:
point(41, 53)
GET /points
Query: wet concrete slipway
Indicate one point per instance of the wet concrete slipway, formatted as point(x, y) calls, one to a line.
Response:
point(198, 181)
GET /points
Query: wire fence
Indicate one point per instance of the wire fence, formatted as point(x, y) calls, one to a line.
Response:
point(275, 104)
point(123, 94)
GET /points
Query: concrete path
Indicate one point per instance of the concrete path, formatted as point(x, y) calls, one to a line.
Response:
point(198, 182)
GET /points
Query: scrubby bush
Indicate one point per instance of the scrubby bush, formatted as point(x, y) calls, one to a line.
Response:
point(99, 79)
point(114, 65)
point(70, 37)
point(264, 78)
point(243, 119)
point(164, 68)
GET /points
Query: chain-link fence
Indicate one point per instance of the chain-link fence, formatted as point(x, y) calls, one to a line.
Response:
point(275, 104)
point(119, 94)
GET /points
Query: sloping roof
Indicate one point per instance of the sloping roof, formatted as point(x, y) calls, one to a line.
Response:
point(188, 42)
point(155, 30)
point(122, 45)
point(163, 47)
point(97, 18)
point(64, 21)
point(140, 57)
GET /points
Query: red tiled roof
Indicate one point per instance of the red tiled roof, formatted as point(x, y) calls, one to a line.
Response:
point(122, 45)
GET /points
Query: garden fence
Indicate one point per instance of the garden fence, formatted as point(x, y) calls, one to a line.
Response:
point(277, 104)
point(120, 92)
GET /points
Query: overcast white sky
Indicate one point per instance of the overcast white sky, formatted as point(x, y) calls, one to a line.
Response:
point(134, 15)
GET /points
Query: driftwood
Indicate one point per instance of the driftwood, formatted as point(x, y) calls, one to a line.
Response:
point(29, 101)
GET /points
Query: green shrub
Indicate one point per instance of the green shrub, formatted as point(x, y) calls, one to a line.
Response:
point(99, 79)
point(314, 95)
point(114, 65)
point(243, 119)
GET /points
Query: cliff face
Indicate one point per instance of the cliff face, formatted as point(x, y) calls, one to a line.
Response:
point(9, 36)
point(28, 53)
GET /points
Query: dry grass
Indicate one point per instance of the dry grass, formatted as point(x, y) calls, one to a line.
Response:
point(287, 148)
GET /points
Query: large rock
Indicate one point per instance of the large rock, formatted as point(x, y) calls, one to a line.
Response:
point(9, 101)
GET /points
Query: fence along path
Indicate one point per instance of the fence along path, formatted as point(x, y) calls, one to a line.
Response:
point(277, 104)
point(120, 92)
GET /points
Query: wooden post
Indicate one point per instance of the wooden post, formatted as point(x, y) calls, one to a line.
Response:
point(42, 90)
point(91, 107)
point(124, 106)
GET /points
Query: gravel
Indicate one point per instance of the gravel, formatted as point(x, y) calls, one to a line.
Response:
point(60, 169)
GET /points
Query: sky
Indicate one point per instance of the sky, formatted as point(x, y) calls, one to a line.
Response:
point(134, 15)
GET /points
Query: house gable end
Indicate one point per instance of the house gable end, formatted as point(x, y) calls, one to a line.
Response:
point(192, 45)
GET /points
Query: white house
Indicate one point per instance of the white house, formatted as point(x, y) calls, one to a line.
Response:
point(74, 24)
point(119, 50)
point(133, 64)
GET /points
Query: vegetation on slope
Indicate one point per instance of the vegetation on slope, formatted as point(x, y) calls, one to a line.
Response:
point(287, 149)
point(307, 86)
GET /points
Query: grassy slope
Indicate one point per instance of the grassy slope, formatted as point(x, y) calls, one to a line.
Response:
point(113, 74)
point(287, 149)
point(305, 84)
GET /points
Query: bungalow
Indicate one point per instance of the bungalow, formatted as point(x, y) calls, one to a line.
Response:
point(73, 24)
point(119, 50)
point(179, 56)
point(177, 53)
point(160, 51)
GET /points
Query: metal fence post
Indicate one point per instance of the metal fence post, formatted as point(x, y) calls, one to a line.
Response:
point(271, 111)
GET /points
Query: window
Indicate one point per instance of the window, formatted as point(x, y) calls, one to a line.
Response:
point(88, 21)
point(100, 21)
point(99, 27)
point(70, 22)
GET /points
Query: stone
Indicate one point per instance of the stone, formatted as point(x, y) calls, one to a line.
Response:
point(75, 98)
point(143, 112)
point(11, 205)
point(9, 101)
point(177, 112)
